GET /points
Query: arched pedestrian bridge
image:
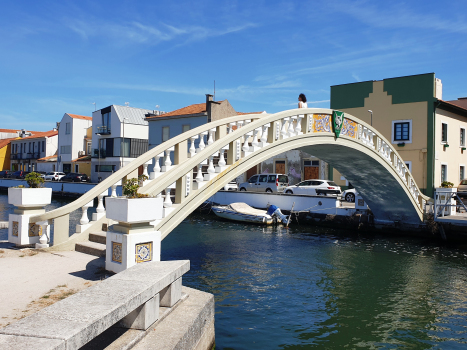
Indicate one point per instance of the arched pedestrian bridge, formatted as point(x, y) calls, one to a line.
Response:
point(360, 153)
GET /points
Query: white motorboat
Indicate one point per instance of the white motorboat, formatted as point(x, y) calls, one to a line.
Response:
point(243, 212)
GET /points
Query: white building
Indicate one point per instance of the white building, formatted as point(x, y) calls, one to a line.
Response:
point(120, 134)
point(72, 140)
point(26, 150)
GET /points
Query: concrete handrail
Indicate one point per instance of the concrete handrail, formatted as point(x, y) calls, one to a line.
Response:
point(132, 297)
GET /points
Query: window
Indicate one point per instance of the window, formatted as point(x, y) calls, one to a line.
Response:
point(408, 164)
point(65, 149)
point(461, 172)
point(105, 168)
point(76, 168)
point(444, 133)
point(253, 179)
point(444, 172)
point(106, 121)
point(311, 162)
point(29, 147)
point(43, 146)
point(402, 131)
point(89, 147)
point(263, 178)
point(67, 128)
point(462, 137)
point(122, 147)
point(272, 178)
point(165, 133)
point(185, 128)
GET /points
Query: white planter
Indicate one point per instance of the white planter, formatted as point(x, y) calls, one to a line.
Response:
point(134, 210)
point(29, 197)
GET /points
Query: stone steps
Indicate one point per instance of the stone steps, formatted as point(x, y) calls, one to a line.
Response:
point(95, 245)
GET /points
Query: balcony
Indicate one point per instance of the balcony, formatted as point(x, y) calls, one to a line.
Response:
point(33, 155)
point(103, 130)
point(15, 156)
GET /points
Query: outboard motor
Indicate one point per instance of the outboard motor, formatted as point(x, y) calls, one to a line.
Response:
point(275, 211)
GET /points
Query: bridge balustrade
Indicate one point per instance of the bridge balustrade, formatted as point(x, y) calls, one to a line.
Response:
point(239, 137)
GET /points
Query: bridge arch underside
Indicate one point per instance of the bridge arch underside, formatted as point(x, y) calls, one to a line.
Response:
point(373, 177)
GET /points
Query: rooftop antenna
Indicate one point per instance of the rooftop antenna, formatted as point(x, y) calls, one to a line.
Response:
point(214, 98)
point(127, 104)
point(95, 108)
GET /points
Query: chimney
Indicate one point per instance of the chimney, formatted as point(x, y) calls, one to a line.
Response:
point(23, 133)
point(209, 99)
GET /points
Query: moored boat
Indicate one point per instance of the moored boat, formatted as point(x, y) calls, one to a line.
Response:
point(244, 213)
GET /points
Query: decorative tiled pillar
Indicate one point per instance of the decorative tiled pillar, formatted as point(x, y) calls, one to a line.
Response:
point(133, 240)
point(28, 202)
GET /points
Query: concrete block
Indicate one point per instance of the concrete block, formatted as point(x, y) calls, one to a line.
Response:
point(21, 232)
point(171, 294)
point(189, 326)
point(126, 250)
point(15, 342)
point(144, 316)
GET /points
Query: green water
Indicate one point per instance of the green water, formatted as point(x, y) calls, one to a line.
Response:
point(307, 288)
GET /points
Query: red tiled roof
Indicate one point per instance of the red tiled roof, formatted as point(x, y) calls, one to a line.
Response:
point(452, 103)
point(82, 159)
point(192, 109)
point(36, 135)
point(47, 158)
point(9, 130)
point(5, 142)
point(75, 116)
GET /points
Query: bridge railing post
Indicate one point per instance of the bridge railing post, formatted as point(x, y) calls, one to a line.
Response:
point(180, 156)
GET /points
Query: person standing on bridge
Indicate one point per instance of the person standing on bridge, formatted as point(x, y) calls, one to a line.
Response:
point(302, 101)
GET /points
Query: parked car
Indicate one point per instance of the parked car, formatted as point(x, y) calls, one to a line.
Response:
point(5, 174)
point(271, 183)
point(315, 187)
point(41, 173)
point(462, 188)
point(20, 174)
point(349, 195)
point(75, 177)
point(54, 176)
point(231, 186)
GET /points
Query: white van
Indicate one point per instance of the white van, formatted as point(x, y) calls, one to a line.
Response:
point(271, 183)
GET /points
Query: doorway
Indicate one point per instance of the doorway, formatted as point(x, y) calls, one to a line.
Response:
point(310, 169)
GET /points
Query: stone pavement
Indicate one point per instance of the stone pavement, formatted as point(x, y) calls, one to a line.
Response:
point(31, 280)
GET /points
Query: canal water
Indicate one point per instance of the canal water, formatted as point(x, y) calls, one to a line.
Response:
point(312, 288)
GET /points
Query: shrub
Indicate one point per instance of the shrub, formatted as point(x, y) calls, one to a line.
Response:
point(447, 184)
point(34, 180)
point(130, 189)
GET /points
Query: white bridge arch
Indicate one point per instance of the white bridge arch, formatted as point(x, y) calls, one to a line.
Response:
point(361, 154)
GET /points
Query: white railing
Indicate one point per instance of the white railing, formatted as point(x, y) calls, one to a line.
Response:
point(239, 137)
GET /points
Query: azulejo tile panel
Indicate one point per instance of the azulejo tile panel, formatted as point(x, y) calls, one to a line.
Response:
point(34, 230)
point(321, 123)
point(349, 128)
point(116, 252)
point(15, 229)
point(143, 252)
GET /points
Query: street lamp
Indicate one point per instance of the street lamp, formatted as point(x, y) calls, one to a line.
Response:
point(123, 141)
point(371, 116)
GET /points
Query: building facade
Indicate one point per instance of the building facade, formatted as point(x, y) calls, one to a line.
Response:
point(426, 131)
point(73, 141)
point(120, 134)
point(25, 151)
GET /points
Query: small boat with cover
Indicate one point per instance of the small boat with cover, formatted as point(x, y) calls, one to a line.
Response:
point(244, 213)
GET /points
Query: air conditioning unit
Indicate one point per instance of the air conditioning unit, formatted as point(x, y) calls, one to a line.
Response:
point(81, 153)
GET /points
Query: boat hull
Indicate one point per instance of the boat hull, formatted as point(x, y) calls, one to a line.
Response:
point(230, 214)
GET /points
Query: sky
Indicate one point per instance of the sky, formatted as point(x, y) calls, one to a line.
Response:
point(62, 56)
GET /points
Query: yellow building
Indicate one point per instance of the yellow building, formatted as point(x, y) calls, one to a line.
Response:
point(428, 133)
point(82, 164)
point(5, 151)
